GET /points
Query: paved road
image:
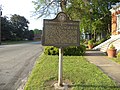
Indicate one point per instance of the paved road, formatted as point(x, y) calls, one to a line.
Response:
point(16, 61)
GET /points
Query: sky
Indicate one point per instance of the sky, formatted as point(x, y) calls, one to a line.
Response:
point(22, 8)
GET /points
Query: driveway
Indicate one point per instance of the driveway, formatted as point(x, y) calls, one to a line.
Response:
point(16, 61)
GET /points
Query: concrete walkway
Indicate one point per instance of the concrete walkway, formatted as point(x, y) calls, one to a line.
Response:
point(111, 68)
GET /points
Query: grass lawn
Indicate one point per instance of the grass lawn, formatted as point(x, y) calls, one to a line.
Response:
point(116, 60)
point(13, 42)
point(79, 73)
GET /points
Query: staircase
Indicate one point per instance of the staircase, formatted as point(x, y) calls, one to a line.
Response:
point(117, 44)
point(115, 40)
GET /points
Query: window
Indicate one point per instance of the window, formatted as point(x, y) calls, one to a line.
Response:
point(118, 22)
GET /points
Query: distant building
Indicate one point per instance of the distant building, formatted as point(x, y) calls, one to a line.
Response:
point(37, 35)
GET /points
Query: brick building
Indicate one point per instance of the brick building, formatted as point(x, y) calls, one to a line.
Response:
point(115, 12)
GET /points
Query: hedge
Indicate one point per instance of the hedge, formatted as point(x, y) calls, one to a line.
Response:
point(68, 51)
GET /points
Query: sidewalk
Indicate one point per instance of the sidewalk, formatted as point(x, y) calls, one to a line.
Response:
point(112, 69)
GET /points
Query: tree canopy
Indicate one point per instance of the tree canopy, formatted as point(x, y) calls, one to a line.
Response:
point(48, 7)
point(94, 15)
point(15, 28)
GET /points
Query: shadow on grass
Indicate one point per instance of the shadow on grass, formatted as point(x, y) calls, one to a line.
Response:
point(84, 87)
point(94, 86)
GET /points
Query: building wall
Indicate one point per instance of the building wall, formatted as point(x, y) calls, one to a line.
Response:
point(37, 37)
point(115, 11)
point(114, 23)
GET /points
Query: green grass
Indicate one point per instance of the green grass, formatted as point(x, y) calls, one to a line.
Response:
point(117, 60)
point(13, 42)
point(80, 73)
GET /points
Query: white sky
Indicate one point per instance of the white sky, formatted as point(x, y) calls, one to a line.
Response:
point(22, 8)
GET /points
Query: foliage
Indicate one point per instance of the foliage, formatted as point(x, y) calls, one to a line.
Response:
point(99, 42)
point(90, 42)
point(112, 46)
point(94, 15)
point(46, 7)
point(68, 51)
point(117, 59)
point(118, 55)
point(6, 29)
point(80, 73)
point(30, 35)
point(75, 50)
point(15, 28)
point(21, 26)
point(51, 50)
point(37, 31)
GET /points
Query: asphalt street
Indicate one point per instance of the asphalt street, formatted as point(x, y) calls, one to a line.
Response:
point(16, 62)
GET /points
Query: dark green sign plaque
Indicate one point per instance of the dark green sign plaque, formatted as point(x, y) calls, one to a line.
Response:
point(61, 32)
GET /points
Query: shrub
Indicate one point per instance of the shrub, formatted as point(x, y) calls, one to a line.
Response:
point(112, 46)
point(74, 50)
point(90, 42)
point(99, 42)
point(51, 50)
point(68, 51)
point(118, 55)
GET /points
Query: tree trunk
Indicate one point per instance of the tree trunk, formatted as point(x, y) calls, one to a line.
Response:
point(63, 5)
point(94, 35)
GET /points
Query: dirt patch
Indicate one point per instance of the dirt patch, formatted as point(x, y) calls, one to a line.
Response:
point(49, 85)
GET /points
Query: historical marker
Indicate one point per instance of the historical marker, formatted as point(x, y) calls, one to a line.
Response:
point(61, 32)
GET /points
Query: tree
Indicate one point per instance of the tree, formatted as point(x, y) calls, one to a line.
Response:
point(0, 22)
point(94, 15)
point(30, 35)
point(20, 26)
point(6, 29)
point(48, 7)
point(16, 28)
point(37, 31)
point(37, 34)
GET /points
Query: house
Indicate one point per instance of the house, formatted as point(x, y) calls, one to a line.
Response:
point(115, 11)
point(37, 35)
point(115, 33)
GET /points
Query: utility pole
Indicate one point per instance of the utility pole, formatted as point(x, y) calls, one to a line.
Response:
point(0, 22)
